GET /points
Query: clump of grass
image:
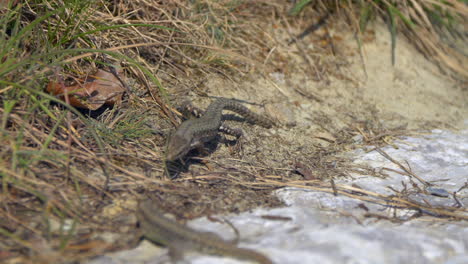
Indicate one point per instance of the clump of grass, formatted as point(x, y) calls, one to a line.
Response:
point(129, 125)
point(422, 21)
point(50, 148)
point(44, 158)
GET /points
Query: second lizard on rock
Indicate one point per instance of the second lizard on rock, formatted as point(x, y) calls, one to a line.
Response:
point(179, 238)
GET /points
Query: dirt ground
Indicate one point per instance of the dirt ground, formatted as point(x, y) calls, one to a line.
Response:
point(325, 104)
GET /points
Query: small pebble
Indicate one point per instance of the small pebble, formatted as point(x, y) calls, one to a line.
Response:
point(358, 139)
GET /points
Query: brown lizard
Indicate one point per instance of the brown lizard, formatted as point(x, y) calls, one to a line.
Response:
point(195, 132)
point(179, 238)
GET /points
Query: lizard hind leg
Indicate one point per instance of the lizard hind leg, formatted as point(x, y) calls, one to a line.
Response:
point(188, 110)
point(236, 132)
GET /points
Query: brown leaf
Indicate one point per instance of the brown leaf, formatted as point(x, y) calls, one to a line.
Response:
point(6, 3)
point(97, 90)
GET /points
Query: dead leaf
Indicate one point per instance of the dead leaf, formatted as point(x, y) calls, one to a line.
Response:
point(97, 90)
point(8, 3)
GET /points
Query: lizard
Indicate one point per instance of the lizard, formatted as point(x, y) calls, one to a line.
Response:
point(179, 238)
point(193, 133)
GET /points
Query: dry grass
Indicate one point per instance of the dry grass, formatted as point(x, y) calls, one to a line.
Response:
point(60, 166)
point(425, 23)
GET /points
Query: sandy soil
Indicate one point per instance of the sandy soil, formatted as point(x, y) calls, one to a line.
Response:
point(413, 91)
point(325, 104)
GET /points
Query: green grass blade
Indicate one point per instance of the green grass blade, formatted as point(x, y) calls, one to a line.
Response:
point(297, 8)
point(114, 27)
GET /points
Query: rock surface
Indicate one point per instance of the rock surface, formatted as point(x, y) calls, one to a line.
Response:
point(319, 227)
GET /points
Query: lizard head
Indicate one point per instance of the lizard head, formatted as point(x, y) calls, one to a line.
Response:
point(180, 143)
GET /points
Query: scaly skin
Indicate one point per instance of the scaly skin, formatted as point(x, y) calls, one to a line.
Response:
point(195, 132)
point(179, 238)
